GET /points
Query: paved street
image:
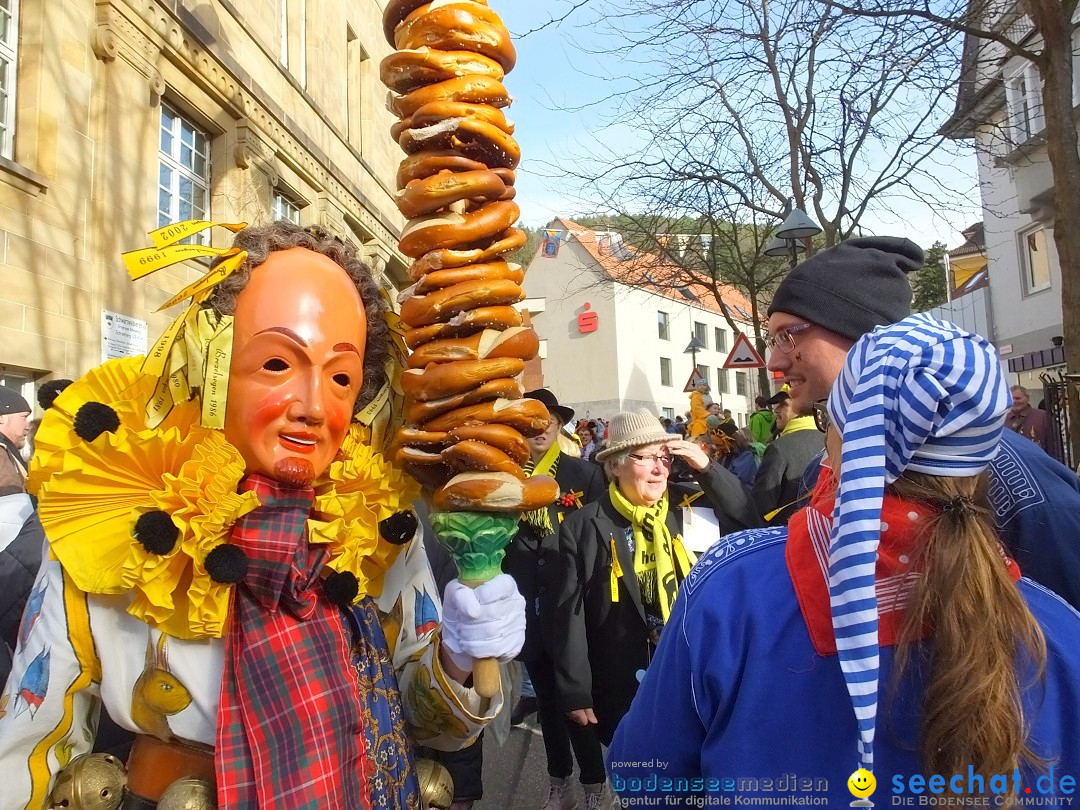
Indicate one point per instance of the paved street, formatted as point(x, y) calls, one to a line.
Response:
point(514, 774)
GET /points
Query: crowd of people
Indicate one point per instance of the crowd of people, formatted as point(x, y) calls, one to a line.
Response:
point(889, 581)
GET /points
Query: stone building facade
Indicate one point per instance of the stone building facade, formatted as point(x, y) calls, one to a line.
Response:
point(117, 116)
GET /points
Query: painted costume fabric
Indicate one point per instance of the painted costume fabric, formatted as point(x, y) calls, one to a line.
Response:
point(81, 651)
point(145, 634)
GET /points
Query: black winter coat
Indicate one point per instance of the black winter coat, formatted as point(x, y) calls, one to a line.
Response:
point(533, 561)
point(601, 644)
point(22, 541)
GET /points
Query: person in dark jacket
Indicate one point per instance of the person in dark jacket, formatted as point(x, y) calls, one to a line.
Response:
point(532, 560)
point(835, 297)
point(14, 428)
point(21, 543)
point(621, 561)
point(778, 482)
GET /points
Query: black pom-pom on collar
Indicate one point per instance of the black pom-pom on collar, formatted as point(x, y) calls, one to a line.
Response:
point(341, 588)
point(93, 419)
point(226, 564)
point(399, 528)
point(156, 532)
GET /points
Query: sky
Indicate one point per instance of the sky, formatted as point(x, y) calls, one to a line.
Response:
point(555, 78)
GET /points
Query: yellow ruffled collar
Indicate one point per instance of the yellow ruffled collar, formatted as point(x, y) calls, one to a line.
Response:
point(92, 492)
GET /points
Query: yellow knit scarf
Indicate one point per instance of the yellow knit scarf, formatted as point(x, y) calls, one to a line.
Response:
point(658, 558)
point(540, 519)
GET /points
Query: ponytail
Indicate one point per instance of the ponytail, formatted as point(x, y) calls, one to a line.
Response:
point(984, 644)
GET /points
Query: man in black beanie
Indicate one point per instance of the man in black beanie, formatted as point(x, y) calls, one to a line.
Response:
point(14, 428)
point(828, 302)
point(833, 298)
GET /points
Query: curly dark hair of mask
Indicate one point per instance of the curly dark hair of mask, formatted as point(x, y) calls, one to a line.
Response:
point(262, 240)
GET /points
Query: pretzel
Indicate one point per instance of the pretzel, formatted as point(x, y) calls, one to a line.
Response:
point(405, 71)
point(458, 26)
point(486, 271)
point(495, 492)
point(442, 190)
point(467, 323)
point(440, 380)
point(516, 342)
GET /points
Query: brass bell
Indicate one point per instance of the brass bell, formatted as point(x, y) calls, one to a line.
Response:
point(436, 784)
point(90, 782)
point(188, 793)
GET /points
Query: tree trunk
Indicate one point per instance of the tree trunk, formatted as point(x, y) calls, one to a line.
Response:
point(1061, 147)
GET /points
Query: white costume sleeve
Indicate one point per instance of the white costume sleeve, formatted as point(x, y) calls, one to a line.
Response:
point(442, 714)
point(50, 705)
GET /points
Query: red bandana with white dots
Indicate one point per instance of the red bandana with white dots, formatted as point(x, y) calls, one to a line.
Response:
point(808, 563)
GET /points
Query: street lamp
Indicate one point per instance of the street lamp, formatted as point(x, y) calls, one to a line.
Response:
point(693, 348)
point(795, 227)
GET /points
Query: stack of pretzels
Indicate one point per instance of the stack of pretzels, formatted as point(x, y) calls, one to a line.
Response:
point(466, 421)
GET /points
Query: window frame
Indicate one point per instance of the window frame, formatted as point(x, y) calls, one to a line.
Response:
point(701, 332)
point(722, 381)
point(668, 413)
point(1023, 102)
point(665, 372)
point(720, 338)
point(281, 198)
point(742, 384)
point(704, 371)
point(173, 161)
point(663, 324)
point(1027, 277)
point(9, 53)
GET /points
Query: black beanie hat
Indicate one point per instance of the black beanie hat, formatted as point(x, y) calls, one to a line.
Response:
point(12, 402)
point(852, 287)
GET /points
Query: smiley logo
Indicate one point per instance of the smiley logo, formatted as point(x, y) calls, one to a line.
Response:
point(862, 783)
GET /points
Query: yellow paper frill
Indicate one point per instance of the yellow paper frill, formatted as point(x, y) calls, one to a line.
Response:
point(90, 505)
point(117, 383)
point(359, 489)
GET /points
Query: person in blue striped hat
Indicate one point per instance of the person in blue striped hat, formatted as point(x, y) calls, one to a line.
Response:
point(836, 296)
point(885, 628)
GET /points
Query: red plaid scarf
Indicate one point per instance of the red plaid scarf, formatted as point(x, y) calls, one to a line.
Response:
point(289, 722)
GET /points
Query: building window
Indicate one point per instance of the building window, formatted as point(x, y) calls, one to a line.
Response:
point(665, 372)
point(357, 70)
point(286, 208)
point(1023, 96)
point(9, 59)
point(669, 413)
point(742, 386)
point(720, 337)
point(664, 325)
point(704, 372)
point(183, 171)
point(293, 21)
point(722, 380)
point(701, 332)
point(1035, 260)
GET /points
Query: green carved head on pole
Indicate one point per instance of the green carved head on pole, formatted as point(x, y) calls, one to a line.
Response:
point(476, 541)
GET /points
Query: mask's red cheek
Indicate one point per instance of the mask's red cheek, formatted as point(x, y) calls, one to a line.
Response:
point(268, 409)
point(338, 416)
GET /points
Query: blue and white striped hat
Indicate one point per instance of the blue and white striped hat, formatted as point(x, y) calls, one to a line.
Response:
point(921, 395)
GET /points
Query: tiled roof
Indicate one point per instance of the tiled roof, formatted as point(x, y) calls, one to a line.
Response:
point(974, 242)
point(635, 268)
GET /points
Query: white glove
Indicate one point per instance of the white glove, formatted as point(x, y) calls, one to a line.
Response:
point(483, 622)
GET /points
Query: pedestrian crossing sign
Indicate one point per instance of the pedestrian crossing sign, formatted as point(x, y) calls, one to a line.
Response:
point(743, 355)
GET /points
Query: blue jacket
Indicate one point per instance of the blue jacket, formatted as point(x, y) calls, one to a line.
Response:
point(737, 692)
point(1036, 502)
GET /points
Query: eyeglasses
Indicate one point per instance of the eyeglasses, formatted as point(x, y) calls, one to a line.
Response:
point(822, 420)
point(783, 339)
point(649, 460)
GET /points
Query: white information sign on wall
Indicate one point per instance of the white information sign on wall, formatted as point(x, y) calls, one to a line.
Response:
point(121, 336)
